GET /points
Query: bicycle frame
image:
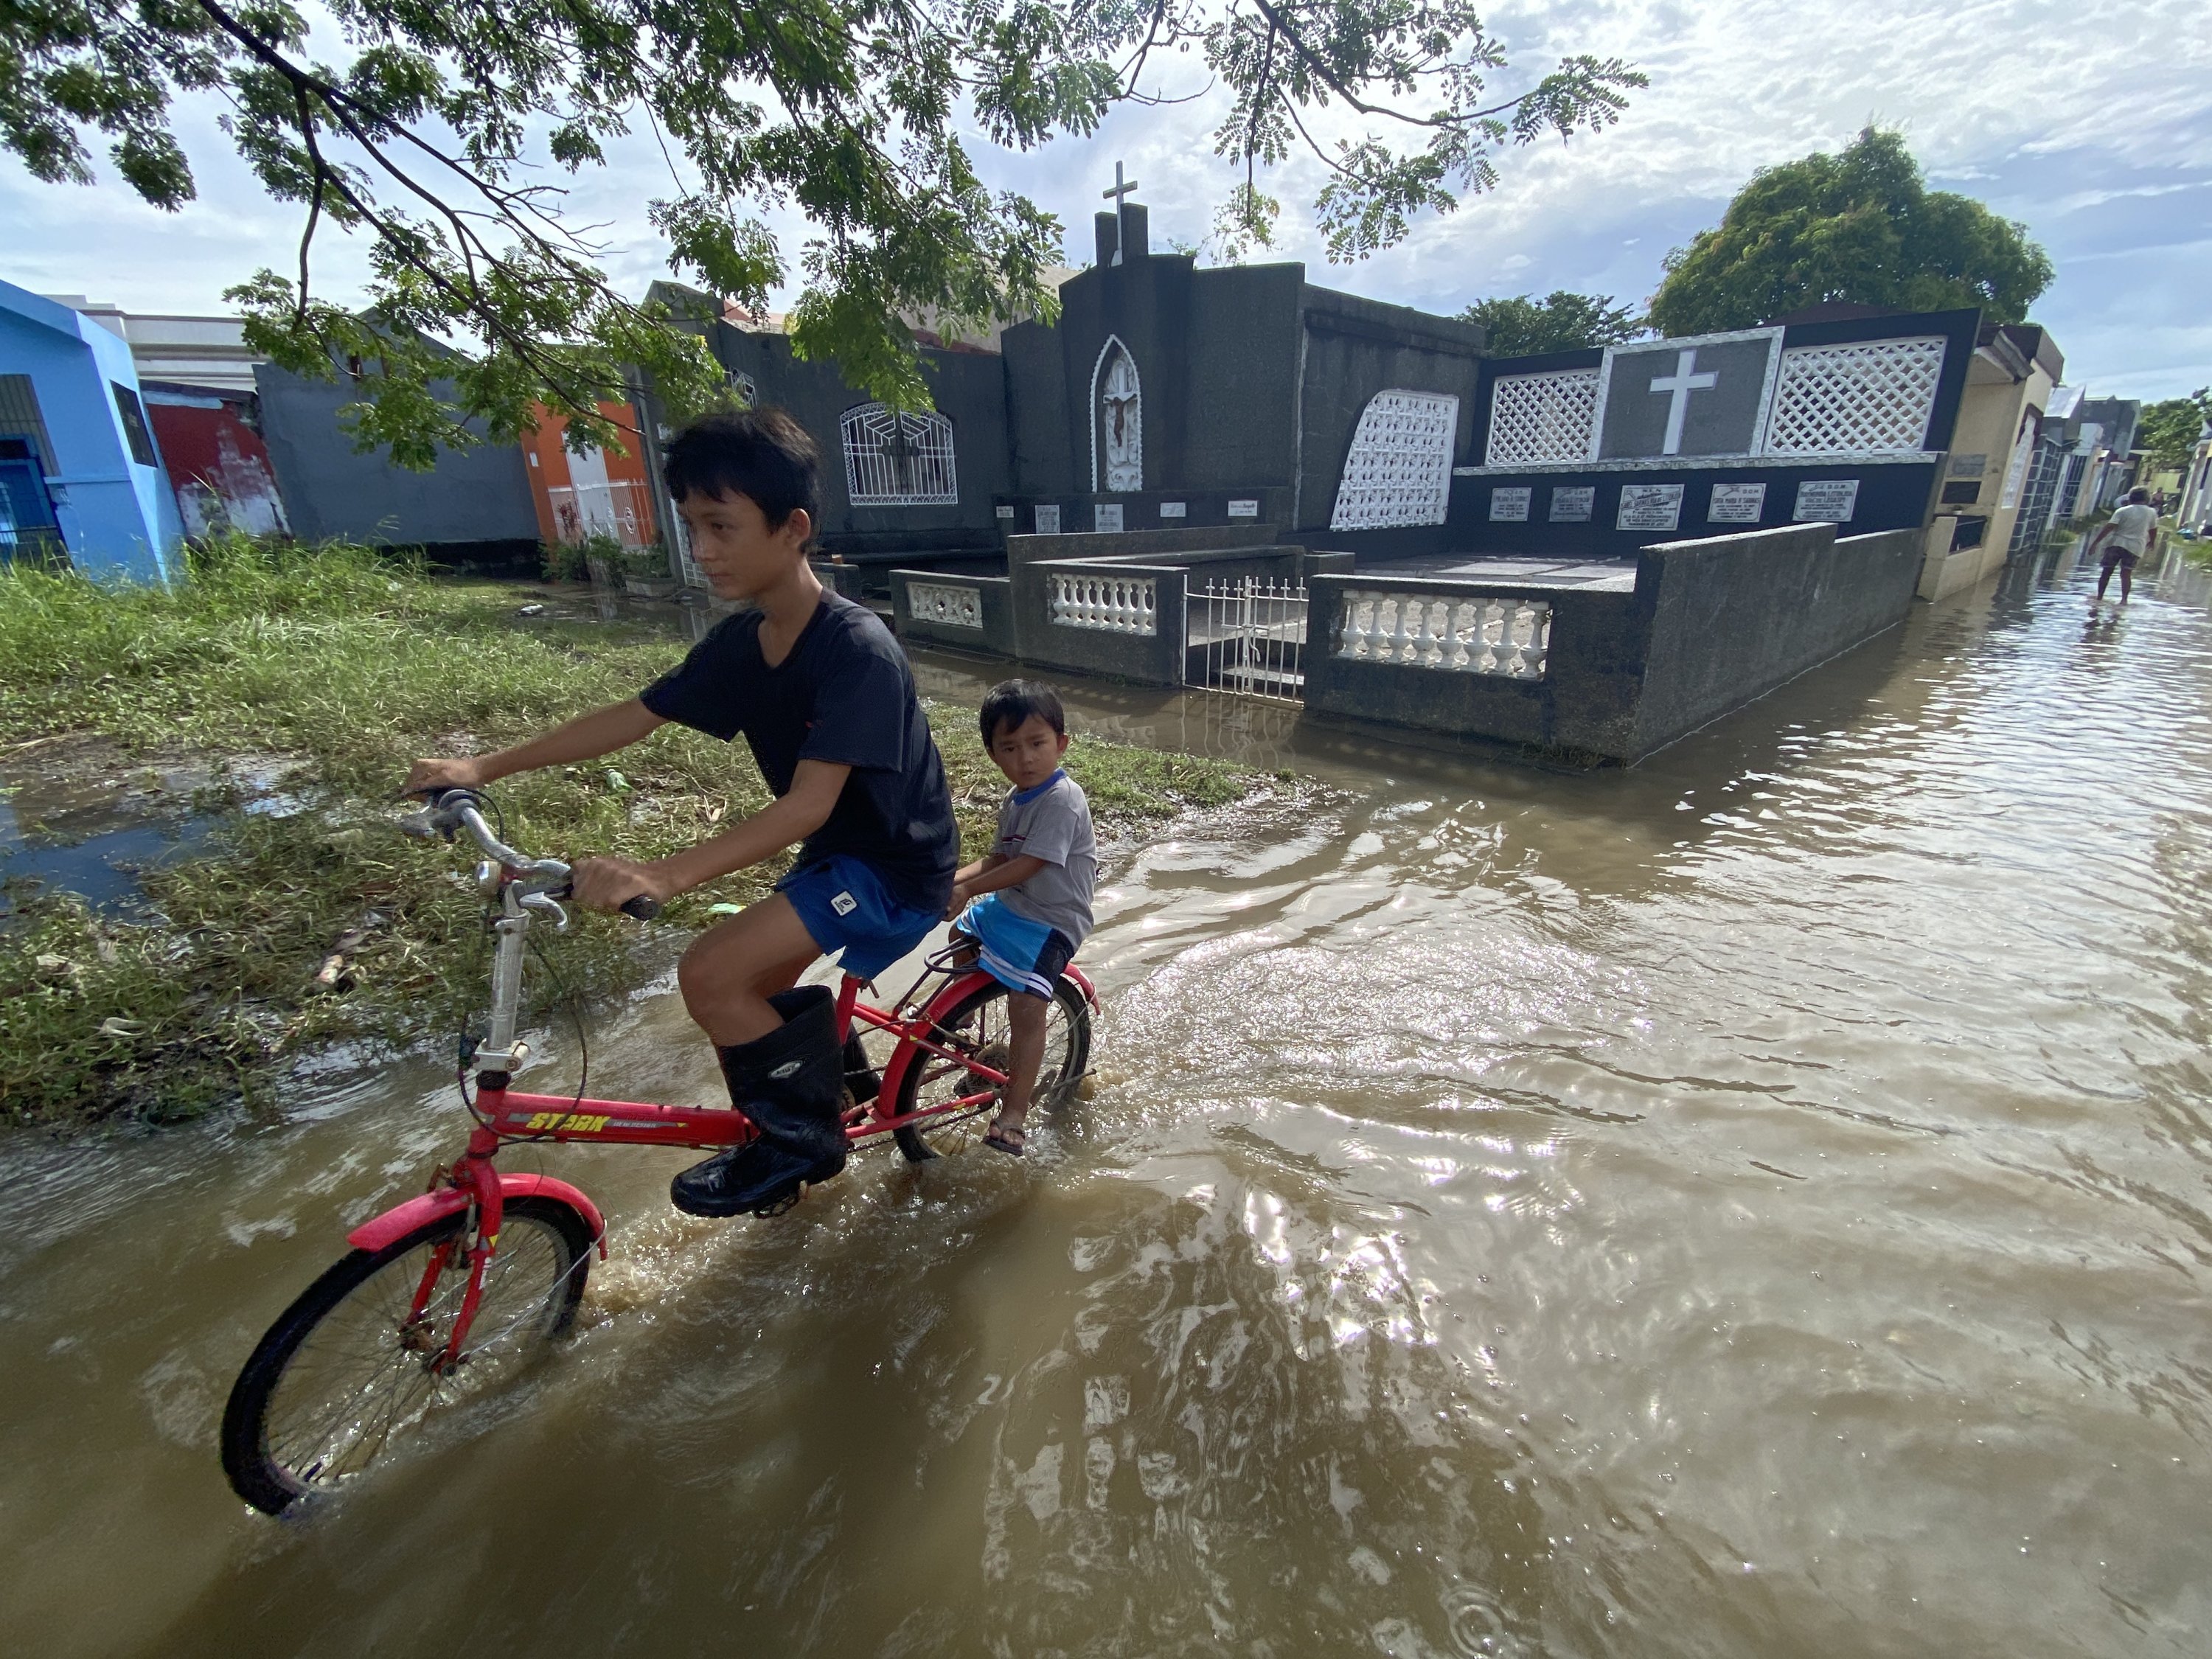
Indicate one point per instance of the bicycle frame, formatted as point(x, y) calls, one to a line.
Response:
point(504, 1114)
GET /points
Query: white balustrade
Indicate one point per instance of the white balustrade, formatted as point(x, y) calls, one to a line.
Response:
point(1457, 634)
point(1114, 603)
point(945, 606)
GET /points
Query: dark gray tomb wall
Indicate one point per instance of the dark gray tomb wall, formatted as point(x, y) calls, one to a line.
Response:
point(1586, 703)
point(1354, 348)
point(1215, 352)
point(1578, 514)
point(1240, 430)
point(969, 388)
point(475, 499)
point(1733, 617)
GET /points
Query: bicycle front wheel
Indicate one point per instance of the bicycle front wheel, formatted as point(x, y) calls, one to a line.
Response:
point(346, 1368)
point(976, 1027)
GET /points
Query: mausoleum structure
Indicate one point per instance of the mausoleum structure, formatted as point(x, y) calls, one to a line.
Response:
point(1167, 396)
point(1603, 452)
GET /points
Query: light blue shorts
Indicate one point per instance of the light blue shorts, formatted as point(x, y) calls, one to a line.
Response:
point(1022, 955)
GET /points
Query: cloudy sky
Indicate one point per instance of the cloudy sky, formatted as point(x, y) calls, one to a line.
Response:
point(2093, 125)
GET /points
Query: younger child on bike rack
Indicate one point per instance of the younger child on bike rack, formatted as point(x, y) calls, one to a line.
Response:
point(1024, 910)
point(826, 701)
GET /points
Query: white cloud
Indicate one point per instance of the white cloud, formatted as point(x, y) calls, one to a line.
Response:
point(2092, 130)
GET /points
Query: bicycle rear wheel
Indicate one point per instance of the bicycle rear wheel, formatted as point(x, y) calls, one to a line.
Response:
point(344, 1369)
point(976, 1027)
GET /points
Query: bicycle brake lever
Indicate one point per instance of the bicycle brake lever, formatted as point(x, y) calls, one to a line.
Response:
point(546, 903)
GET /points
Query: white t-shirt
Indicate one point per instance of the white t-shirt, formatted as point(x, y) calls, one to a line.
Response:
point(2132, 526)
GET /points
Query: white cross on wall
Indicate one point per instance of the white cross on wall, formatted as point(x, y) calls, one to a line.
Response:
point(1120, 219)
point(1679, 385)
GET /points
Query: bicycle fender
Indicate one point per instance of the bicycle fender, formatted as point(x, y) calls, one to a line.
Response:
point(398, 1222)
point(1082, 983)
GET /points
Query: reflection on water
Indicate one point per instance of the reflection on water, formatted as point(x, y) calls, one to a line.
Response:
point(1755, 1204)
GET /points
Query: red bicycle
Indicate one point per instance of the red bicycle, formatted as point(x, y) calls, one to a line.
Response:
point(450, 1292)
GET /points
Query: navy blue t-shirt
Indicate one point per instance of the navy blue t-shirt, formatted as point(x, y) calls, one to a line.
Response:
point(844, 694)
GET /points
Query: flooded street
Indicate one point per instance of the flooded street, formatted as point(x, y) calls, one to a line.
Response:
point(1759, 1204)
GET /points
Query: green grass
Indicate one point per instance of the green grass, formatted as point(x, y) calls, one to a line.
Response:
point(347, 664)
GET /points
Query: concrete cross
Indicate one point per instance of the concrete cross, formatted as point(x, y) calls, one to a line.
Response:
point(1120, 218)
point(1679, 385)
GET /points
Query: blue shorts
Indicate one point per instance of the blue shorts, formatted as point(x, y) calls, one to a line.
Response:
point(1022, 955)
point(844, 905)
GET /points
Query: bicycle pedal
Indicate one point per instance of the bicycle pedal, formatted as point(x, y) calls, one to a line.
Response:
point(769, 1211)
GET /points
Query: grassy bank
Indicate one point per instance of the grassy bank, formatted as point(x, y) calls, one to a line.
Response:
point(345, 664)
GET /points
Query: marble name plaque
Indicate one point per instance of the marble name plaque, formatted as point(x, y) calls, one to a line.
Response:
point(1003, 512)
point(1969, 466)
point(1649, 506)
point(1048, 520)
point(1106, 517)
point(1510, 505)
point(1174, 509)
point(1736, 503)
point(1831, 501)
point(1573, 503)
point(1244, 509)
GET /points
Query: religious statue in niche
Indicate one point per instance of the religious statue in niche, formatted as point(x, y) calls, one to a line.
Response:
point(1118, 454)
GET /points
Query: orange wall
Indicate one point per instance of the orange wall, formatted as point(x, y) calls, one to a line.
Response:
point(546, 455)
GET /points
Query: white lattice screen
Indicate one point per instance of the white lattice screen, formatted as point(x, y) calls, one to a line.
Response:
point(1542, 417)
point(1871, 396)
point(1399, 471)
point(898, 460)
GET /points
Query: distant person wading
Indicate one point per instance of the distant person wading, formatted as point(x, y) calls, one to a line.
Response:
point(2126, 537)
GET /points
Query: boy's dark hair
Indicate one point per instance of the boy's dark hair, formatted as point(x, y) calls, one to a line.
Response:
point(1016, 702)
point(760, 452)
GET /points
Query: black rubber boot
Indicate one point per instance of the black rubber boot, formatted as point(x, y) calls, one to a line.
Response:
point(860, 1079)
point(791, 1082)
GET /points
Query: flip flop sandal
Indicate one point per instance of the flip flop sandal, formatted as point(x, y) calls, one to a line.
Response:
point(997, 1141)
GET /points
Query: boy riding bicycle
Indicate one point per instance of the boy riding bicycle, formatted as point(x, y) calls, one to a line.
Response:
point(1024, 910)
point(826, 701)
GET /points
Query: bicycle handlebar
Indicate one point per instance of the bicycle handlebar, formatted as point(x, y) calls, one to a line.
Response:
point(460, 809)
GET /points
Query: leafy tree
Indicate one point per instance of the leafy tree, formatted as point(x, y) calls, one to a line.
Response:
point(1521, 326)
point(1859, 226)
point(2169, 430)
point(437, 129)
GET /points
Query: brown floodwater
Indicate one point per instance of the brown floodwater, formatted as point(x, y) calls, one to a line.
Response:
point(1756, 1204)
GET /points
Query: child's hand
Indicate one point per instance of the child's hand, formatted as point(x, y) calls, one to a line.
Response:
point(608, 883)
point(957, 902)
point(456, 772)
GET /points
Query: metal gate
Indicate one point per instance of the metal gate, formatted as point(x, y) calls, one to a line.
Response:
point(1249, 637)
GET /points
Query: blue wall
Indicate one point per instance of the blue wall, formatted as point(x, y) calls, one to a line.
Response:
point(118, 514)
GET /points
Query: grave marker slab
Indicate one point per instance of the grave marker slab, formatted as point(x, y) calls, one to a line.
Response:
point(1829, 500)
point(1509, 505)
point(1651, 507)
point(1573, 503)
point(1736, 503)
